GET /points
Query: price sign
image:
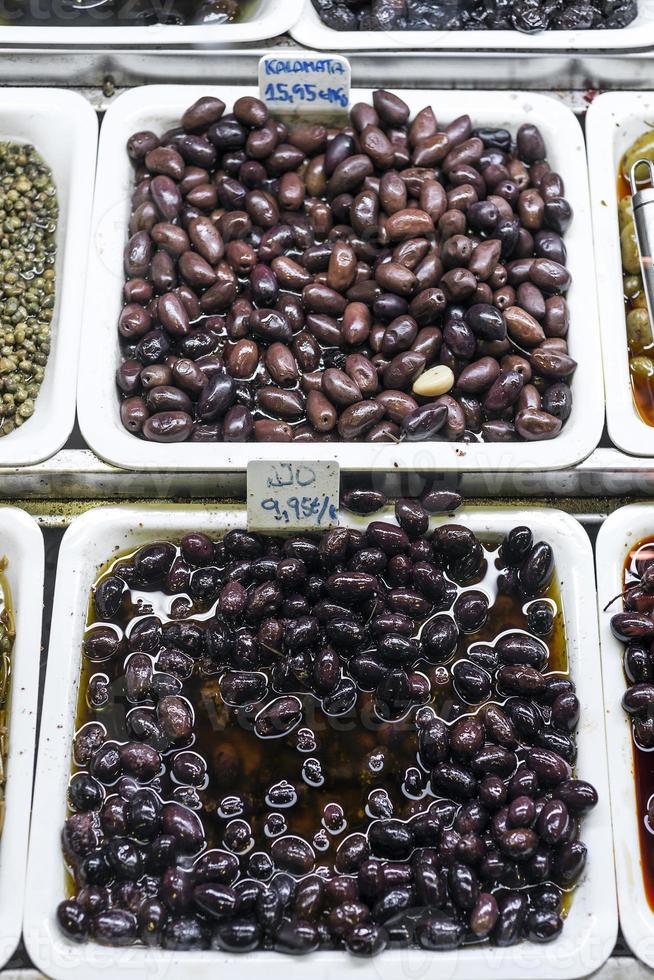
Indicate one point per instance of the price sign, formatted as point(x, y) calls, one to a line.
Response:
point(292, 496)
point(291, 82)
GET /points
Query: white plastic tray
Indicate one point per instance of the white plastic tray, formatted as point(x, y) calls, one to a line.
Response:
point(158, 107)
point(21, 542)
point(268, 19)
point(624, 528)
point(64, 129)
point(613, 122)
point(590, 931)
point(311, 31)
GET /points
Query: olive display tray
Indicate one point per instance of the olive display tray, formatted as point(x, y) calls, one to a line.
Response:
point(614, 120)
point(590, 931)
point(21, 543)
point(312, 32)
point(63, 127)
point(265, 19)
point(623, 529)
point(159, 107)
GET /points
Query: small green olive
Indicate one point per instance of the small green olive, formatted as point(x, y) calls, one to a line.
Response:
point(633, 287)
point(629, 248)
point(625, 211)
point(642, 367)
point(639, 331)
point(641, 149)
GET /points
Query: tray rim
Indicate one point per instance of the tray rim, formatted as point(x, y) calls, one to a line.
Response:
point(88, 544)
point(618, 533)
point(98, 401)
point(313, 33)
point(271, 18)
point(21, 541)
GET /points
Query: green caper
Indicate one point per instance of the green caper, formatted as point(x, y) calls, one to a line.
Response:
point(639, 331)
point(642, 367)
point(28, 228)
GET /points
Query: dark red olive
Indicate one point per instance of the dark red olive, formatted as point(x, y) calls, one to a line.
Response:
point(438, 931)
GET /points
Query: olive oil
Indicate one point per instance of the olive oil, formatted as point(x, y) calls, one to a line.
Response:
point(325, 761)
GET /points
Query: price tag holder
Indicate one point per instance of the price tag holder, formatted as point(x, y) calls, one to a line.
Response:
point(292, 82)
point(292, 496)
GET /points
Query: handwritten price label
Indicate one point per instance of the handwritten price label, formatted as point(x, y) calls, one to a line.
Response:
point(292, 496)
point(316, 82)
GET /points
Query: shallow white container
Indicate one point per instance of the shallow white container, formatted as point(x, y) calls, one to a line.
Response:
point(268, 19)
point(157, 108)
point(590, 931)
point(639, 35)
point(63, 127)
point(619, 533)
point(21, 543)
point(613, 122)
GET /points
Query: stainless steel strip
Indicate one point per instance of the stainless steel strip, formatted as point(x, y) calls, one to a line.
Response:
point(79, 474)
point(120, 67)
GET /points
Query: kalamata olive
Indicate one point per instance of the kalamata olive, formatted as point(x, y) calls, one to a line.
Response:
point(366, 939)
point(453, 782)
point(569, 863)
point(238, 688)
point(139, 760)
point(175, 715)
point(515, 649)
point(550, 768)
point(471, 682)
point(152, 916)
point(84, 792)
point(512, 912)
point(106, 764)
point(630, 625)
point(391, 839)
point(296, 937)
point(351, 854)
point(185, 932)
point(438, 931)
point(537, 571)
point(279, 717)
point(363, 501)
point(517, 545)
point(219, 901)
point(470, 611)
point(467, 737)
point(464, 886)
point(638, 698)
point(578, 796)
point(494, 760)
point(521, 680)
point(394, 694)
point(412, 517)
point(185, 826)
point(109, 597)
point(565, 712)
point(237, 935)
point(484, 915)
point(433, 743)
point(439, 638)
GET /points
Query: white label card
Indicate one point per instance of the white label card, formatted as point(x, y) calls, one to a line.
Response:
point(289, 82)
point(292, 496)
